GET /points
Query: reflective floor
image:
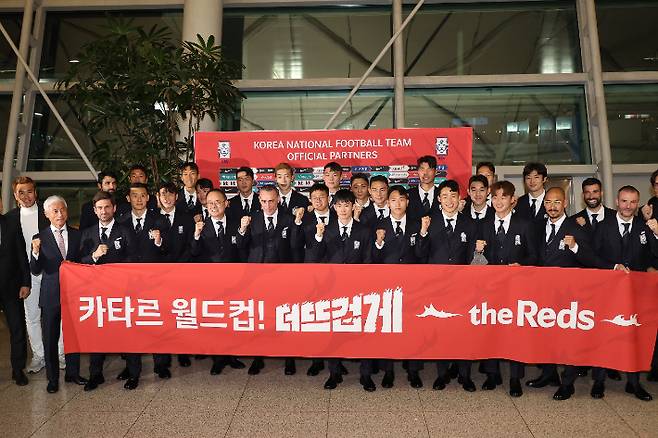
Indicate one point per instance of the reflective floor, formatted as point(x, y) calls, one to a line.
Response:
point(195, 404)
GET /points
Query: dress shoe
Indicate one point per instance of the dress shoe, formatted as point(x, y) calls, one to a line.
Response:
point(468, 385)
point(124, 375)
point(598, 390)
point(564, 392)
point(414, 380)
point(52, 387)
point(638, 392)
point(93, 382)
point(515, 389)
point(75, 379)
point(614, 375)
point(184, 361)
point(131, 384)
point(36, 365)
point(542, 381)
point(19, 378)
point(217, 368)
point(236, 363)
point(315, 369)
point(344, 371)
point(653, 376)
point(164, 373)
point(490, 383)
point(257, 365)
point(333, 381)
point(367, 384)
point(290, 368)
point(439, 384)
point(387, 381)
point(453, 371)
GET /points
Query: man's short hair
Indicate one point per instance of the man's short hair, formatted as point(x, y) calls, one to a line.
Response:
point(478, 178)
point(540, 168)
point(344, 195)
point(101, 195)
point(319, 187)
point(50, 200)
point(427, 159)
point(628, 188)
point(223, 193)
point(506, 186)
point(450, 184)
point(591, 182)
point(654, 176)
point(248, 170)
point(204, 183)
point(333, 166)
point(380, 178)
point(488, 164)
point(105, 173)
point(359, 175)
point(139, 185)
point(189, 165)
point(137, 167)
point(169, 187)
point(270, 188)
point(22, 180)
point(284, 166)
point(400, 189)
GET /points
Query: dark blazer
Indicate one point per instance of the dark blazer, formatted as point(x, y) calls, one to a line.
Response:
point(370, 216)
point(235, 207)
point(609, 215)
point(415, 208)
point(120, 245)
point(256, 238)
point(181, 204)
point(42, 220)
point(49, 261)
point(522, 209)
point(331, 249)
point(87, 216)
point(145, 250)
point(210, 249)
point(553, 255)
point(444, 248)
point(397, 249)
point(14, 267)
point(177, 238)
point(519, 245)
point(303, 236)
point(296, 200)
point(641, 252)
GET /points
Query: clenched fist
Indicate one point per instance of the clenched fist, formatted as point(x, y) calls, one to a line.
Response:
point(244, 223)
point(425, 224)
point(479, 245)
point(319, 229)
point(299, 214)
point(381, 235)
point(100, 251)
point(36, 246)
point(198, 227)
point(581, 221)
point(569, 241)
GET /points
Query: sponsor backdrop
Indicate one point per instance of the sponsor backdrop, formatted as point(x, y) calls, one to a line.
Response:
point(389, 152)
point(566, 316)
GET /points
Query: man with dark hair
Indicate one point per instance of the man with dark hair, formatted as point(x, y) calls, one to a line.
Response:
point(478, 189)
point(378, 209)
point(203, 186)
point(594, 212)
point(107, 182)
point(137, 174)
point(290, 199)
point(187, 197)
point(359, 186)
point(487, 170)
point(531, 205)
point(650, 210)
point(245, 203)
point(331, 175)
point(422, 199)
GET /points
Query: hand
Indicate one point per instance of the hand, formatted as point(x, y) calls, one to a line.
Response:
point(198, 218)
point(358, 209)
point(581, 221)
point(479, 245)
point(319, 229)
point(653, 225)
point(244, 223)
point(620, 267)
point(157, 237)
point(299, 214)
point(462, 204)
point(514, 264)
point(100, 251)
point(647, 212)
point(309, 209)
point(24, 292)
point(36, 246)
point(198, 227)
point(424, 224)
point(381, 234)
point(569, 241)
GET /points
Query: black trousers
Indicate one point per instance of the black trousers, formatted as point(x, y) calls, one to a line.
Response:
point(133, 363)
point(161, 360)
point(51, 319)
point(14, 311)
point(492, 366)
point(568, 376)
point(599, 375)
point(464, 367)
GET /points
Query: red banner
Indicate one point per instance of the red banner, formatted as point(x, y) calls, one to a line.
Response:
point(389, 152)
point(528, 314)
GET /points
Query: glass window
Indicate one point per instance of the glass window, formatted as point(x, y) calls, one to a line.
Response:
point(312, 110)
point(493, 39)
point(305, 43)
point(12, 24)
point(511, 125)
point(628, 35)
point(67, 32)
point(633, 122)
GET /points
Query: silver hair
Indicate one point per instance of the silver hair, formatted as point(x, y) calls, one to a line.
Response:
point(52, 200)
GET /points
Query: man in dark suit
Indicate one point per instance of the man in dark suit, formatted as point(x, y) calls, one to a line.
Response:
point(448, 238)
point(594, 212)
point(137, 174)
point(531, 205)
point(15, 285)
point(187, 197)
point(245, 203)
point(488, 171)
point(478, 208)
point(396, 238)
point(359, 184)
point(107, 182)
point(562, 243)
point(267, 237)
point(289, 198)
point(215, 241)
point(203, 186)
point(625, 244)
point(422, 199)
point(378, 208)
point(332, 175)
point(109, 242)
point(509, 240)
point(50, 248)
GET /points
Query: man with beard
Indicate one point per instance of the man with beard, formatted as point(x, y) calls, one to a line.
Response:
point(107, 182)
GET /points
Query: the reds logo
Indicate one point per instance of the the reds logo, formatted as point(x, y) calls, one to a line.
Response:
point(441, 146)
point(224, 149)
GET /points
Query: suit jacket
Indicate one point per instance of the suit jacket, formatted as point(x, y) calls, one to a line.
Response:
point(87, 216)
point(145, 249)
point(256, 239)
point(296, 200)
point(120, 245)
point(49, 261)
point(14, 267)
point(211, 249)
point(523, 210)
point(519, 244)
point(370, 216)
point(181, 204)
point(441, 247)
point(558, 254)
point(357, 248)
point(609, 215)
point(235, 207)
point(641, 251)
point(397, 249)
point(415, 208)
point(303, 236)
point(177, 238)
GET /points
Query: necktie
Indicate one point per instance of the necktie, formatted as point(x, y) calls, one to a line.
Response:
point(500, 232)
point(595, 222)
point(477, 215)
point(398, 228)
point(426, 202)
point(533, 206)
point(344, 235)
point(284, 204)
point(205, 213)
point(220, 229)
point(190, 202)
point(449, 227)
point(246, 207)
point(60, 243)
point(138, 227)
point(381, 214)
point(551, 236)
point(626, 232)
point(168, 216)
point(270, 224)
point(103, 234)
point(322, 219)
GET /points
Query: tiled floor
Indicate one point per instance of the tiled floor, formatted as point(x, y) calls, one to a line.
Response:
point(195, 404)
